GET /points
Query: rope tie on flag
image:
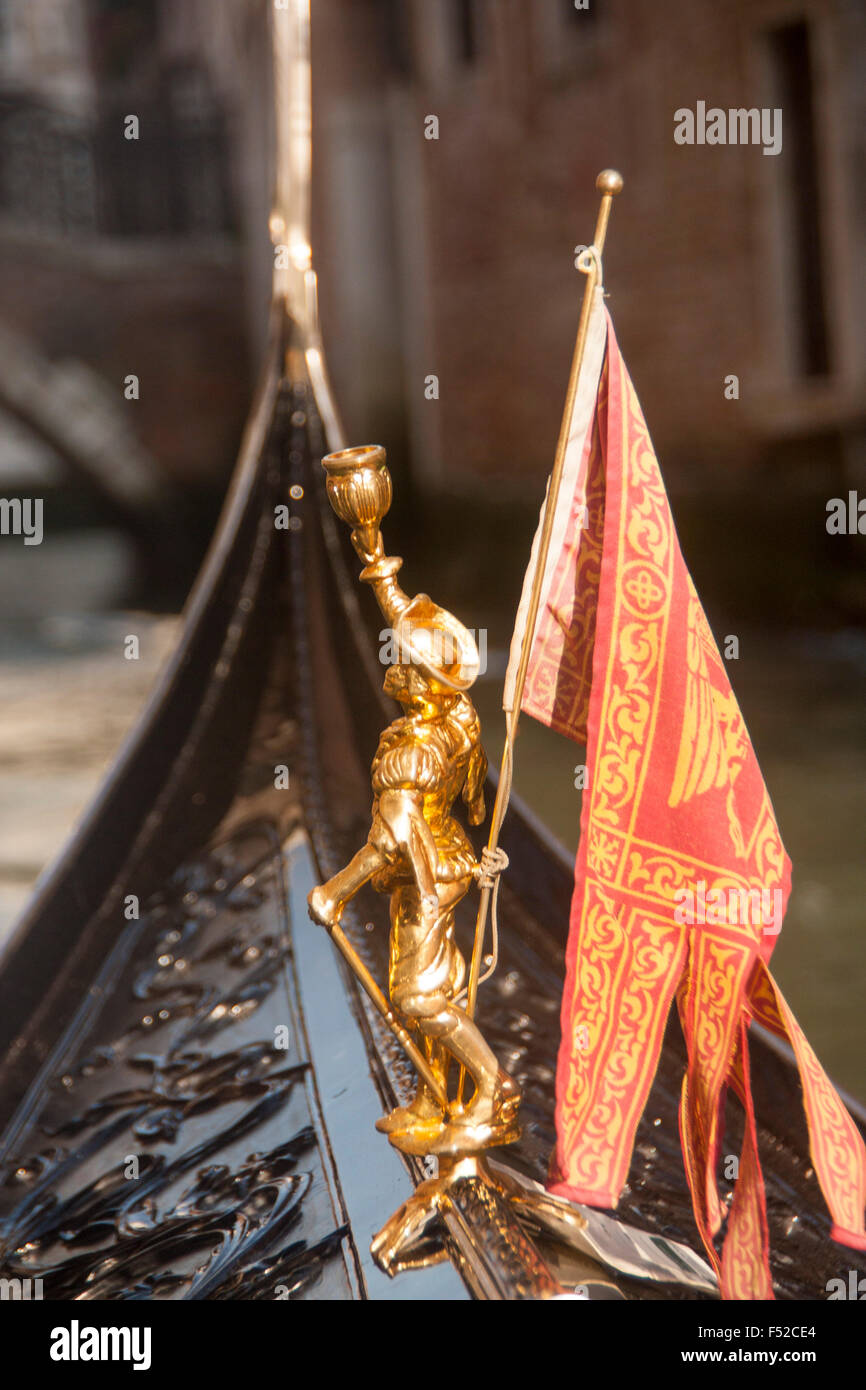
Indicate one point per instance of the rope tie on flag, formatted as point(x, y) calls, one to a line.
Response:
point(493, 863)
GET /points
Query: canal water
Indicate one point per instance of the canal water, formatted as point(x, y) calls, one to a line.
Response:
point(69, 693)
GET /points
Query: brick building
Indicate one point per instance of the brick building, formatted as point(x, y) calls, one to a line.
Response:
point(127, 253)
point(454, 255)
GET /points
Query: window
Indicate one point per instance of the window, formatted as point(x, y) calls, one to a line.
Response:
point(584, 15)
point(800, 196)
point(465, 30)
point(571, 42)
point(396, 27)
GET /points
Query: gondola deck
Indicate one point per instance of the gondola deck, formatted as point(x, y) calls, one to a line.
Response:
point(159, 1142)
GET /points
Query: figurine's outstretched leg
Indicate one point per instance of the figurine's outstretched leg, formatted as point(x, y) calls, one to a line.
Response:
point(493, 1087)
point(422, 973)
point(491, 1115)
point(425, 1107)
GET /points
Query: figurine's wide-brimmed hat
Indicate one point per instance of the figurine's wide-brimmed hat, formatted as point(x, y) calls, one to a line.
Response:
point(432, 639)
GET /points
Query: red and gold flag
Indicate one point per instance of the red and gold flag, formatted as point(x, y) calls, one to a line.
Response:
point(681, 879)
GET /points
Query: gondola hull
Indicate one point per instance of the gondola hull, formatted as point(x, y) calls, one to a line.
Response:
point(189, 1088)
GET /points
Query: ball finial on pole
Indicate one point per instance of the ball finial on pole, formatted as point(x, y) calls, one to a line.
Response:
point(608, 184)
point(609, 181)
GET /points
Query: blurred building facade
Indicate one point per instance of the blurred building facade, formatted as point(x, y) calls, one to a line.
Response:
point(124, 200)
point(454, 255)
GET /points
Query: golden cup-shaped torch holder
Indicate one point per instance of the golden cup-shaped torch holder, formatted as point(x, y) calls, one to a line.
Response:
point(359, 490)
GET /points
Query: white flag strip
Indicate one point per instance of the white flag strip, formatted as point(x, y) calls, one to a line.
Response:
point(572, 489)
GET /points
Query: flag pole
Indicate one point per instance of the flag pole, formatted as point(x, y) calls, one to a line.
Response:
point(608, 184)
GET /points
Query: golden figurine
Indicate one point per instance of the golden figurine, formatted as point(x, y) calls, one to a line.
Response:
point(417, 851)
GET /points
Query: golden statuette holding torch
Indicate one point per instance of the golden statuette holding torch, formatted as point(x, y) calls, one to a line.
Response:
point(417, 851)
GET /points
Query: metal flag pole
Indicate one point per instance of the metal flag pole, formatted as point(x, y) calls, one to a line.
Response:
point(608, 183)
